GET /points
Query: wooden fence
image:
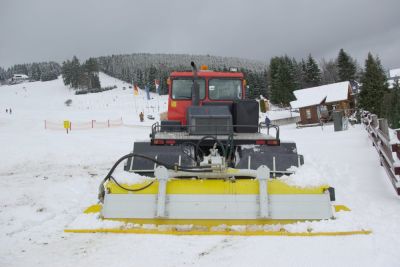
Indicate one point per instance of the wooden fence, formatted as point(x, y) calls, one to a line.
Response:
point(387, 144)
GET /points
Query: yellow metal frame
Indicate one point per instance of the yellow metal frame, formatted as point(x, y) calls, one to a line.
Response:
point(236, 233)
point(96, 208)
point(216, 186)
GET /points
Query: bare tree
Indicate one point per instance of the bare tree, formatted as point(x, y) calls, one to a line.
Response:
point(330, 73)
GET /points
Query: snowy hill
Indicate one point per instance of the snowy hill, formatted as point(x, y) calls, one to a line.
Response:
point(48, 177)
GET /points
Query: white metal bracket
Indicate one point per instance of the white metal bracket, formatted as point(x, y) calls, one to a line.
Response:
point(161, 173)
point(263, 174)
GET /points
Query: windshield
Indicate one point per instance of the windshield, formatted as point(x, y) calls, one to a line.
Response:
point(182, 88)
point(225, 89)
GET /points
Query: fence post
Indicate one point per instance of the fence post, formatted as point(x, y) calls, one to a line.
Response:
point(374, 120)
point(108, 123)
point(384, 127)
point(92, 123)
point(45, 124)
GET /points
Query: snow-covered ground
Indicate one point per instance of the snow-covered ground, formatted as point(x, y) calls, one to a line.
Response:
point(48, 177)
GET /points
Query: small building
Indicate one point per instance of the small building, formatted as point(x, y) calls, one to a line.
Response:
point(18, 78)
point(317, 103)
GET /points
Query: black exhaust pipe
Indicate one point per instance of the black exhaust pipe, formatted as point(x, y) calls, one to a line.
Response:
point(195, 87)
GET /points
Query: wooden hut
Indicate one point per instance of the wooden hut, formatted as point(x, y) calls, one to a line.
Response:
point(317, 103)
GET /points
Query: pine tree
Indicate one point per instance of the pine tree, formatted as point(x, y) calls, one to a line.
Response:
point(346, 66)
point(152, 77)
point(48, 75)
point(391, 106)
point(312, 72)
point(394, 121)
point(35, 72)
point(299, 73)
point(281, 78)
point(264, 83)
point(95, 81)
point(76, 72)
point(91, 65)
point(83, 76)
point(252, 83)
point(2, 74)
point(90, 79)
point(374, 86)
point(66, 72)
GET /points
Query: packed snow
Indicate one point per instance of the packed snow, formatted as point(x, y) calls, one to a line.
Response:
point(49, 177)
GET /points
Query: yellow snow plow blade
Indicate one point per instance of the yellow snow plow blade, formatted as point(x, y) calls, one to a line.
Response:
point(208, 227)
point(217, 206)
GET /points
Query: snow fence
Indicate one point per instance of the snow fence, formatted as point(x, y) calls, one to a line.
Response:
point(85, 125)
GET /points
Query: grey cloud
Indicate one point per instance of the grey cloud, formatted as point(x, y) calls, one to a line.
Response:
point(56, 30)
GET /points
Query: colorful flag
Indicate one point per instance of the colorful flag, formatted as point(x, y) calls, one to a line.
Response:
point(147, 92)
point(157, 84)
point(135, 89)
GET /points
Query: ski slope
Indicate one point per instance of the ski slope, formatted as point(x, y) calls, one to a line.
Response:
point(48, 177)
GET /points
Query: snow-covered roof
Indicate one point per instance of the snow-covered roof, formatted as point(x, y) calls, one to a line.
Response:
point(392, 80)
point(394, 72)
point(23, 76)
point(316, 95)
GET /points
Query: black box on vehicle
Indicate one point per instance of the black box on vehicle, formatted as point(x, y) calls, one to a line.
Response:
point(245, 114)
point(171, 126)
point(215, 120)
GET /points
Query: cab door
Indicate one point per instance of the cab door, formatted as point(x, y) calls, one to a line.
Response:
point(180, 97)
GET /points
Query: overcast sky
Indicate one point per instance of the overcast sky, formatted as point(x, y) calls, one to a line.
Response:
point(45, 30)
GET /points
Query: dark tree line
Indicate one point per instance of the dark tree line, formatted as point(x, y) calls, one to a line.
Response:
point(42, 71)
point(2, 75)
point(81, 76)
point(143, 69)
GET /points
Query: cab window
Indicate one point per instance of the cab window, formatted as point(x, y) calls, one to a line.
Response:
point(182, 88)
point(225, 89)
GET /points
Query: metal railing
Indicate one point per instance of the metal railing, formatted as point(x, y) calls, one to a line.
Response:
point(157, 128)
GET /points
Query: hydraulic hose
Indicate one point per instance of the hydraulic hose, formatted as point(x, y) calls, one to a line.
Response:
point(213, 138)
point(130, 155)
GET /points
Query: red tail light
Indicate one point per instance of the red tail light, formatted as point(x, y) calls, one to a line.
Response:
point(273, 142)
point(170, 142)
point(260, 142)
point(158, 141)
